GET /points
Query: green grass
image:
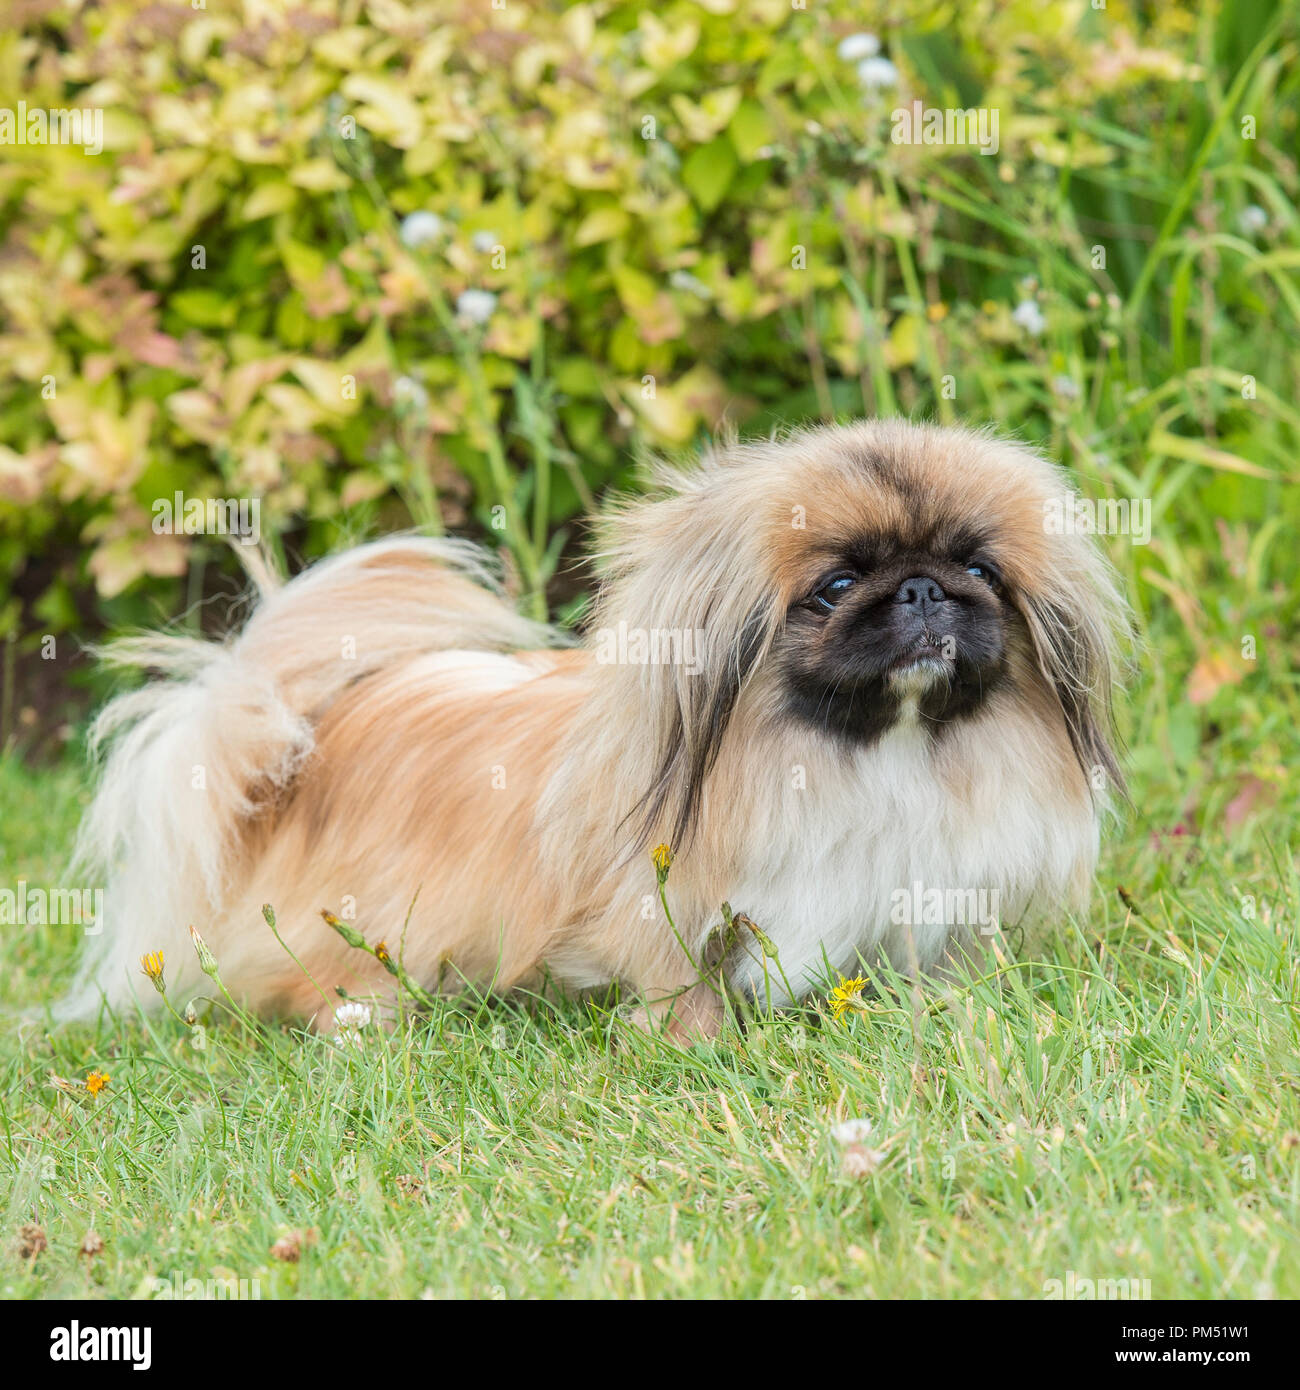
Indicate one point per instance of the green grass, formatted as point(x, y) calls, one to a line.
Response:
point(1122, 1104)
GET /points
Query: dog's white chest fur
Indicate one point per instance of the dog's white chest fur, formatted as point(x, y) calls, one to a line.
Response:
point(867, 852)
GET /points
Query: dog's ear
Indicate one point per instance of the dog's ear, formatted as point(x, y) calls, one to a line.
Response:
point(688, 610)
point(1077, 622)
point(695, 715)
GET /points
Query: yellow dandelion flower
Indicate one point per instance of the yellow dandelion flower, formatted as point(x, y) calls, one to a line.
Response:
point(847, 995)
point(662, 858)
point(96, 1081)
point(381, 953)
point(152, 965)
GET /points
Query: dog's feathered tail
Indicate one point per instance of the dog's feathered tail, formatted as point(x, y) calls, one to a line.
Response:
point(191, 760)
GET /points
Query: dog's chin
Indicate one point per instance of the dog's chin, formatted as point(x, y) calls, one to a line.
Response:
point(917, 673)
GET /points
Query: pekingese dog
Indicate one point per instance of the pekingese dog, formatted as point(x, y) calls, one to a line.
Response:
point(837, 674)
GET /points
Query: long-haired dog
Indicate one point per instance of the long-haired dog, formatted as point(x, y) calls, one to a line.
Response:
point(825, 670)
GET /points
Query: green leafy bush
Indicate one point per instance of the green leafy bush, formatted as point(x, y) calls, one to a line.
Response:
point(380, 264)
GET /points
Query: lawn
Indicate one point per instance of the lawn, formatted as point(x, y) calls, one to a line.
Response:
point(1116, 1100)
point(1120, 1103)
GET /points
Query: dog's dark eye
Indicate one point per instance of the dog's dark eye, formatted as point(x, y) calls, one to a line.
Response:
point(832, 591)
point(985, 572)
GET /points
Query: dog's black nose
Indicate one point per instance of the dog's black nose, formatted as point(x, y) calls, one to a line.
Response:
point(920, 590)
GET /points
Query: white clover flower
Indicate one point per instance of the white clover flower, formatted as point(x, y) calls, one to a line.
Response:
point(1066, 387)
point(420, 229)
point(483, 242)
point(857, 47)
point(1252, 220)
point(1029, 317)
point(852, 1131)
point(476, 306)
point(352, 1016)
point(409, 393)
point(876, 74)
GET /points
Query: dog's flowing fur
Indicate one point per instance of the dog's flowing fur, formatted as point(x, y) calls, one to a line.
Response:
point(386, 725)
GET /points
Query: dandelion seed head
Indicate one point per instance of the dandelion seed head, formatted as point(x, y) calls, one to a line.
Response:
point(1066, 387)
point(1029, 316)
point(860, 1162)
point(409, 393)
point(476, 306)
point(419, 229)
point(856, 1131)
point(876, 74)
point(856, 47)
point(1252, 220)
